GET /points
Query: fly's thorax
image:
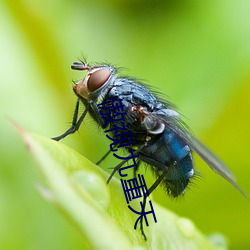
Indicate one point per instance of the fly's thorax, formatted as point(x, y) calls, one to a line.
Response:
point(95, 84)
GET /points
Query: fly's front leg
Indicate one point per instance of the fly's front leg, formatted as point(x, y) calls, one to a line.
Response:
point(75, 123)
point(97, 115)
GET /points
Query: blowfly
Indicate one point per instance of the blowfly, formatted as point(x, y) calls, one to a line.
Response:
point(161, 139)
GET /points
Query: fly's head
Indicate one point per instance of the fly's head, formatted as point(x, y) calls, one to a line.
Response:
point(96, 79)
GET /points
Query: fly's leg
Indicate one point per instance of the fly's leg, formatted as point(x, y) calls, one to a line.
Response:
point(138, 163)
point(122, 163)
point(75, 124)
point(95, 110)
point(116, 169)
point(104, 157)
point(150, 190)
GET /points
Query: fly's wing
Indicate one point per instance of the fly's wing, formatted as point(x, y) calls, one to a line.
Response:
point(175, 124)
point(212, 160)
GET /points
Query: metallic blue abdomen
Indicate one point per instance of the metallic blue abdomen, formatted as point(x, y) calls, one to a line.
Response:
point(173, 156)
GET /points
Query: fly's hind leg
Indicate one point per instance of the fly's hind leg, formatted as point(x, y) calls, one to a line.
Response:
point(150, 190)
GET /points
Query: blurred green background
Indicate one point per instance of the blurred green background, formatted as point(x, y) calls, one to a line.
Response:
point(195, 52)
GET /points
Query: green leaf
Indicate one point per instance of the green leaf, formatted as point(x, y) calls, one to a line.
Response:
point(78, 189)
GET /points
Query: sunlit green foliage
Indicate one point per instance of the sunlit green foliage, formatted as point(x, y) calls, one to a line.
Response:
point(195, 52)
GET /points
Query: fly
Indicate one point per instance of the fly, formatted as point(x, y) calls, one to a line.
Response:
point(161, 139)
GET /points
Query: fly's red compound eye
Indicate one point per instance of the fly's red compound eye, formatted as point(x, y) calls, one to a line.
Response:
point(97, 79)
